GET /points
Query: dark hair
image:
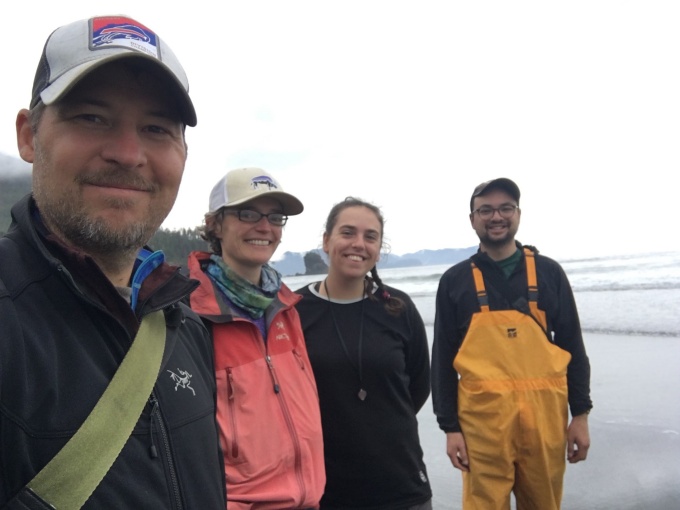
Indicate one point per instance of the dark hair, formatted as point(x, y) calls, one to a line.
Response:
point(211, 222)
point(393, 305)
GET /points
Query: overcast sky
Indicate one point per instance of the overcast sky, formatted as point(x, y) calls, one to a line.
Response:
point(411, 104)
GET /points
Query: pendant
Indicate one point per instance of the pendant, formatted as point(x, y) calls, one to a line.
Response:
point(362, 394)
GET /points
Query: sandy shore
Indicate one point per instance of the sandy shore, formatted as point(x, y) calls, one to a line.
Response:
point(634, 460)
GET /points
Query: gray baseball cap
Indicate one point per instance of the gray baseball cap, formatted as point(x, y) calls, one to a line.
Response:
point(502, 183)
point(73, 51)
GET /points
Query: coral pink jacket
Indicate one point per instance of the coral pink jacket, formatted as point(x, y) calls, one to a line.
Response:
point(267, 402)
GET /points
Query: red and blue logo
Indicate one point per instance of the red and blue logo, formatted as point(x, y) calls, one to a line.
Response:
point(118, 31)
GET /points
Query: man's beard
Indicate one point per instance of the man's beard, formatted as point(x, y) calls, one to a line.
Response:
point(94, 235)
point(67, 216)
point(486, 240)
point(498, 242)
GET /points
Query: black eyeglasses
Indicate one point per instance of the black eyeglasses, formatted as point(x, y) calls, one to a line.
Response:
point(250, 216)
point(506, 211)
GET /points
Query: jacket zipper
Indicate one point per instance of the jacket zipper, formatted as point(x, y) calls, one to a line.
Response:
point(301, 362)
point(232, 412)
point(291, 427)
point(272, 372)
point(163, 433)
point(296, 446)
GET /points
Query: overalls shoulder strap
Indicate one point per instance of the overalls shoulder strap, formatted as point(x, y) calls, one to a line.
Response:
point(532, 283)
point(482, 297)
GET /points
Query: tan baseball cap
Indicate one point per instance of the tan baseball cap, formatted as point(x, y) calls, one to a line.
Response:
point(242, 185)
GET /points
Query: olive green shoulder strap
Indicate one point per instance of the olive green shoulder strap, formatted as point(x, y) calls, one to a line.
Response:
point(74, 473)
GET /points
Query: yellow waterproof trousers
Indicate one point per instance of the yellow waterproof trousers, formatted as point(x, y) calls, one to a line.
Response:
point(512, 406)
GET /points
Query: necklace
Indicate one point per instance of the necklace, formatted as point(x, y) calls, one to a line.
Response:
point(362, 392)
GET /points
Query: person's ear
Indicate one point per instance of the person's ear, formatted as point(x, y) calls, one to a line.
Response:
point(25, 136)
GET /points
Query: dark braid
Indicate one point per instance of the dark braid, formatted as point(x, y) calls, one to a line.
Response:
point(393, 305)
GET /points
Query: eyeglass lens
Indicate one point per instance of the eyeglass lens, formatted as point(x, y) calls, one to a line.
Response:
point(249, 216)
point(506, 211)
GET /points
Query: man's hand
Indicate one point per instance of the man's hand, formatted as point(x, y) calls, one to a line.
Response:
point(457, 451)
point(578, 438)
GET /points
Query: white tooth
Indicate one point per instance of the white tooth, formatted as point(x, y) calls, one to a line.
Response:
point(259, 242)
point(355, 257)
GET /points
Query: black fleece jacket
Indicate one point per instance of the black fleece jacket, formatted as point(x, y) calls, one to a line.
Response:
point(64, 329)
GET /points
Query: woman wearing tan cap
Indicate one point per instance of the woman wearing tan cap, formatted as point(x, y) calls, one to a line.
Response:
point(267, 402)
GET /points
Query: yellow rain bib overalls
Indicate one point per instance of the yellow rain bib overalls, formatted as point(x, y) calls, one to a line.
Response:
point(512, 406)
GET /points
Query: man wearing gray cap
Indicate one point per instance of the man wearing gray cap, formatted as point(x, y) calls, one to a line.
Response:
point(507, 361)
point(106, 383)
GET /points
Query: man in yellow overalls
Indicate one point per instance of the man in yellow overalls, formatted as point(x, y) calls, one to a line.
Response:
point(508, 359)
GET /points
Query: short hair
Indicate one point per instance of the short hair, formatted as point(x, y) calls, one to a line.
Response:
point(209, 228)
point(35, 115)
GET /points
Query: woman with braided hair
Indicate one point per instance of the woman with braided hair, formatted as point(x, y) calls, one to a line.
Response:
point(369, 351)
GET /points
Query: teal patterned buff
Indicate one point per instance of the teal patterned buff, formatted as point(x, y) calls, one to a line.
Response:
point(252, 299)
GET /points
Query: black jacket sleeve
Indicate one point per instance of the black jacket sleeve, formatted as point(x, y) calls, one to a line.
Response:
point(563, 320)
point(417, 357)
point(447, 340)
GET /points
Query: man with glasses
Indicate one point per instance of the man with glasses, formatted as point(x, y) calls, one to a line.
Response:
point(508, 360)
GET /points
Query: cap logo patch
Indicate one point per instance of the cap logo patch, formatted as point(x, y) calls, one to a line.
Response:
point(122, 32)
point(262, 181)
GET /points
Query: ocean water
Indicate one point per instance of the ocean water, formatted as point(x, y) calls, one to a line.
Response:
point(629, 308)
point(632, 294)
